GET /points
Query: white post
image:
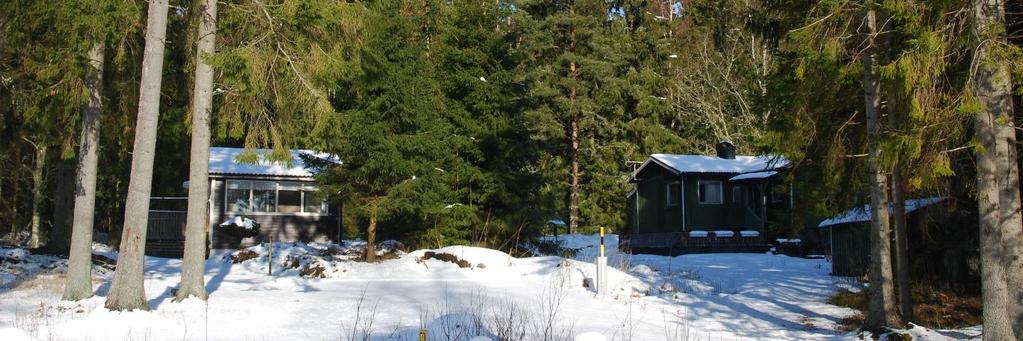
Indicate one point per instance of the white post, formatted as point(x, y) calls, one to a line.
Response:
point(601, 267)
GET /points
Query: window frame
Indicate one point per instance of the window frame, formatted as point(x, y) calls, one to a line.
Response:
point(699, 192)
point(672, 200)
point(249, 186)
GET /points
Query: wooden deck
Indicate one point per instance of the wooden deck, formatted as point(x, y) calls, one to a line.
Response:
point(676, 243)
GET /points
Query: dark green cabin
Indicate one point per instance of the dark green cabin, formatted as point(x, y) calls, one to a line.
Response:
point(705, 203)
point(850, 241)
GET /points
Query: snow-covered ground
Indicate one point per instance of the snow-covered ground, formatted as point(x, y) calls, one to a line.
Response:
point(691, 297)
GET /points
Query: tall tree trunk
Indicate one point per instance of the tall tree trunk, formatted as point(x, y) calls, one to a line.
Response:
point(573, 204)
point(1011, 223)
point(63, 205)
point(193, 264)
point(38, 176)
point(901, 243)
point(997, 178)
point(79, 269)
point(127, 292)
point(993, 280)
point(881, 311)
point(371, 234)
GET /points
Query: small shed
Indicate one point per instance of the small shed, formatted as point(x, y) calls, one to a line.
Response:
point(850, 239)
point(282, 198)
point(278, 200)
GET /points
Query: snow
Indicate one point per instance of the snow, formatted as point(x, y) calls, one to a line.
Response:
point(921, 333)
point(223, 160)
point(749, 233)
point(723, 233)
point(862, 214)
point(240, 221)
point(704, 296)
point(490, 259)
point(698, 233)
point(714, 164)
point(753, 176)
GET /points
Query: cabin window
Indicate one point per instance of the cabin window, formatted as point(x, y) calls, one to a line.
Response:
point(710, 192)
point(737, 193)
point(289, 197)
point(674, 193)
point(778, 193)
point(273, 197)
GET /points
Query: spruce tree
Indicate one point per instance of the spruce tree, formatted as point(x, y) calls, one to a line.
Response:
point(570, 68)
point(193, 264)
point(391, 131)
point(997, 176)
point(127, 291)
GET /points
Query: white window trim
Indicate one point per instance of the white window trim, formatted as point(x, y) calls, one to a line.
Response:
point(721, 193)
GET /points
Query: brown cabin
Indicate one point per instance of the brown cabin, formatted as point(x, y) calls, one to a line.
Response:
point(281, 200)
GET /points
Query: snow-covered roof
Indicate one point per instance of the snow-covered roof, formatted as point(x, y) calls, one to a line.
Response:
point(754, 175)
point(862, 214)
point(680, 164)
point(223, 160)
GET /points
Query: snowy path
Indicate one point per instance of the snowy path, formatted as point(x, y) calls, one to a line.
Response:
point(692, 297)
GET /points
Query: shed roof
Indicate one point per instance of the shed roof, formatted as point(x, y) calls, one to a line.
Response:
point(862, 214)
point(224, 160)
point(680, 164)
point(753, 176)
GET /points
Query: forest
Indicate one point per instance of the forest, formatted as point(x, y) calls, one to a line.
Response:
point(477, 122)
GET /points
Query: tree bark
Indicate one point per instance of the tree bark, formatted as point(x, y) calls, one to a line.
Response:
point(901, 243)
point(993, 88)
point(79, 269)
point(193, 264)
point(573, 205)
point(38, 177)
point(993, 280)
point(63, 205)
point(1011, 223)
point(997, 176)
point(127, 292)
point(881, 310)
point(371, 235)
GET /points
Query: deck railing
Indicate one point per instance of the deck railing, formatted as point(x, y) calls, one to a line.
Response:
point(681, 242)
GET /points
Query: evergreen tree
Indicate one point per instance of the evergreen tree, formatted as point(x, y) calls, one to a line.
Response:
point(391, 131)
point(572, 89)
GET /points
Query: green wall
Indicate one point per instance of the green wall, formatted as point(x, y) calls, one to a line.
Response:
point(655, 215)
point(849, 249)
point(729, 215)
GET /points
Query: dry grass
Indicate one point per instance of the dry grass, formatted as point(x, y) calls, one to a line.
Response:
point(50, 282)
point(932, 308)
point(244, 255)
point(447, 257)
